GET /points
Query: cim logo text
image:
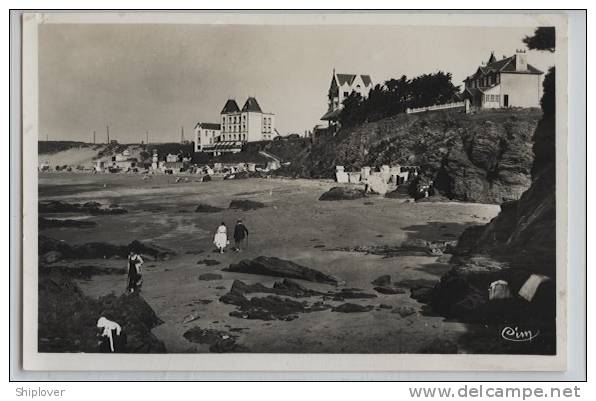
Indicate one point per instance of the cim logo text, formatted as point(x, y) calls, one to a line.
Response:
point(515, 334)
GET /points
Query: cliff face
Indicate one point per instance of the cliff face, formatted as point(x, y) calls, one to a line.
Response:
point(484, 157)
point(520, 241)
point(524, 232)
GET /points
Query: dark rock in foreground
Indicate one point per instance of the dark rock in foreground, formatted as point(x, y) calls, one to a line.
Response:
point(271, 266)
point(382, 280)
point(387, 290)
point(210, 277)
point(97, 250)
point(204, 208)
point(352, 308)
point(208, 262)
point(410, 247)
point(271, 307)
point(246, 204)
point(218, 341)
point(43, 223)
point(94, 208)
point(342, 193)
point(348, 293)
point(68, 318)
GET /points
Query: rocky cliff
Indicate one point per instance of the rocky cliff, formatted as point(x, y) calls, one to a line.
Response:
point(519, 242)
point(67, 317)
point(482, 157)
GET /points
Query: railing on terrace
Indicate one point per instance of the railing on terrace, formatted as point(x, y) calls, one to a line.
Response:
point(465, 104)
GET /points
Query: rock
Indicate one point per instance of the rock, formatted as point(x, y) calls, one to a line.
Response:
point(94, 208)
point(385, 306)
point(68, 318)
point(421, 294)
point(352, 308)
point(401, 192)
point(50, 257)
point(286, 287)
point(100, 250)
point(271, 266)
point(377, 185)
point(498, 290)
point(44, 223)
point(434, 198)
point(206, 178)
point(190, 318)
point(210, 277)
point(483, 157)
point(198, 252)
point(218, 341)
point(390, 290)
point(270, 307)
point(444, 258)
point(342, 193)
point(245, 204)
point(349, 293)
point(204, 208)
point(208, 262)
point(384, 280)
point(404, 311)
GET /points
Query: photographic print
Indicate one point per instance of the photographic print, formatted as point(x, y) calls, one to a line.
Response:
point(362, 185)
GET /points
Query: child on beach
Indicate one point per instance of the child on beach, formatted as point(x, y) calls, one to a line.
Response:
point(221, 237)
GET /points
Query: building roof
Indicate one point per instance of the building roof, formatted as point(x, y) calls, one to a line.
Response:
point(230, 107)
point(331, 115)
point(507, 64)
point(213, 126)
point(224, 145)
point(251, 105)
point(349, 79)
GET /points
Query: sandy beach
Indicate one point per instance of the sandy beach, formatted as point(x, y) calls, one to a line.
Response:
point(294, 225)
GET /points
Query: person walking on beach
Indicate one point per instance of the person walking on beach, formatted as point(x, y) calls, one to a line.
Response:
point(134, 271)
point(221, 237)
point(240, 232)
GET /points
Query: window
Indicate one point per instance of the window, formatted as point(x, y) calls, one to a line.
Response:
point(346, 94)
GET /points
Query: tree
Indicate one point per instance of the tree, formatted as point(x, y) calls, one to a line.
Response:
point(396, 96)
point(543, 39)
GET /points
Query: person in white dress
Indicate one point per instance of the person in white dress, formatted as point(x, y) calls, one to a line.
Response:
point(221, 237)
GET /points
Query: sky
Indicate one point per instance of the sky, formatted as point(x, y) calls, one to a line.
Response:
point(159, 77)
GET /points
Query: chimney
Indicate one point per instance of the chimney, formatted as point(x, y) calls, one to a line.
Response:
point(521, 60)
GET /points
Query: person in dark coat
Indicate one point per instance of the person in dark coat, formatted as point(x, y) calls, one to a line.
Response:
point(135, 278)
point(240, 233)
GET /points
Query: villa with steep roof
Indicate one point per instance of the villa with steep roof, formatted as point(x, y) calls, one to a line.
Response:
point(237, 126)
point(509, 82)
point(342, 85)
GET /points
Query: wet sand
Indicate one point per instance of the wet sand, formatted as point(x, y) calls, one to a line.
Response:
point(294, 225)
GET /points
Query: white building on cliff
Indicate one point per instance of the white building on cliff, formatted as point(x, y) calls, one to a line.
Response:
point(509, 82)
point(342, 85)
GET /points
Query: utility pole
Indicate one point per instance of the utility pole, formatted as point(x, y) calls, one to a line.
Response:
point(147, 137)
point(108, 133)
point(181, 134)
point(94, 137)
